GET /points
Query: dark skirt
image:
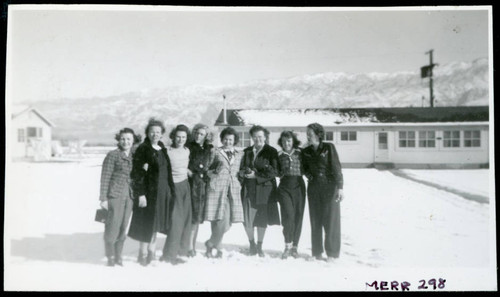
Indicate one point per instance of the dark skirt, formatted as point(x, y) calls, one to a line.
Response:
point(258, 215)
point(198, 198)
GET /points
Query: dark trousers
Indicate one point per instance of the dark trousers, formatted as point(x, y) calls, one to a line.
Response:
point(180, 228)
point(292, 203)
point(115, 229)
point(220, 227)
point(324, 213)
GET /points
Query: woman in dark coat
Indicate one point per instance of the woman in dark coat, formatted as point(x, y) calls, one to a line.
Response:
point(153, 191)
point(324, 172)
point(116, 194)
point(259, 169)
point(200, 148)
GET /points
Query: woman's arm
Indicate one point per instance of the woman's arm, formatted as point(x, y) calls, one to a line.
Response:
point(139, 171)
point(269, 171)
point(336, 167)
point(106, 173)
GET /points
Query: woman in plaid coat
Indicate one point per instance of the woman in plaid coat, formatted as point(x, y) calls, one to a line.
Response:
point(116, 194)
point(223, 205)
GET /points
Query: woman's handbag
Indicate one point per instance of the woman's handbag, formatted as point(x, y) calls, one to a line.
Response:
point(101, 215)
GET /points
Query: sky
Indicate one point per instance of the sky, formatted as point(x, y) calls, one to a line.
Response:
point(88, 53)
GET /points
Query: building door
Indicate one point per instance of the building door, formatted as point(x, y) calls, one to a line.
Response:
point(381, 147)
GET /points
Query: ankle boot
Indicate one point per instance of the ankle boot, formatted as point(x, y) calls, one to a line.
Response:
point(253, 248)
point(260, 252)
point(111, 262)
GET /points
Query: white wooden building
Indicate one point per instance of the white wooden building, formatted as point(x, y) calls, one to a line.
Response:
point(439, 137)
point(31, 134)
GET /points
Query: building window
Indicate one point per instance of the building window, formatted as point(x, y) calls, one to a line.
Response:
point(451, 138)
point(348, 136)
point(407, 138)
point(245, 139)
point(34, 132)
point(21, 137)
point(426, 139)
point(329, 136)
point(472, 138)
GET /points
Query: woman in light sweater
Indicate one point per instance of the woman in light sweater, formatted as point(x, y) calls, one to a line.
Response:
point(178, 235)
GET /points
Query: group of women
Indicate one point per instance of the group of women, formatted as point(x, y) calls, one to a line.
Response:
point(172, 189)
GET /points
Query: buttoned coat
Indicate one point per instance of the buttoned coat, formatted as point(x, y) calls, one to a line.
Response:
point(115, 175)
point(266, 170)
point(146, 182)
point(224, 180)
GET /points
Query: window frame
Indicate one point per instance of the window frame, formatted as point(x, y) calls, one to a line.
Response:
point(471, 138)
point(349, 139)
point(451, 139)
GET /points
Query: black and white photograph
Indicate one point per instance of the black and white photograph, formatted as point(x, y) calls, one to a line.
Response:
point(173, 148)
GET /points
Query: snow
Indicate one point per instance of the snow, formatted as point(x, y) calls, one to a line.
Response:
point(473, 181)
point(392, 229)
point(283, 117)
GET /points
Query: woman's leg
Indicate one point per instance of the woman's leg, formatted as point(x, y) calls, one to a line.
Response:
point(192, 237)
point(261, 231)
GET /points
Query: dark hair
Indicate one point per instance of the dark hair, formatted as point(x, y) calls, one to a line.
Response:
point(154, 123)
point(318, 130)
point(179, 128)
point(289, 134)
point(208, 138)
point(137, 137)
point(230, 131)
point(257, 128)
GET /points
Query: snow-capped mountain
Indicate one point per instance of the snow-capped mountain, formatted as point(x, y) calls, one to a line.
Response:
point(97, 119)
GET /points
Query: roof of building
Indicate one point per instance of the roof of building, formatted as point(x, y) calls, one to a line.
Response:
point(18, 110)
point(353, 116)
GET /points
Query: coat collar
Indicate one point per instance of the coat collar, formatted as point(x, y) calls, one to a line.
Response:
point(223, 153)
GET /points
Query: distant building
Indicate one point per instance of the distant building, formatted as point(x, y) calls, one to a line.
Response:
point(31, 134)
point(439, 137)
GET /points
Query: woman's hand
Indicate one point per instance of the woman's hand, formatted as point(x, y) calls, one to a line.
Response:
point(142, 201)
point(340, 195)
point(104, 205)
point(145, 166)
point(250, 175)
point(190, 173)
point(211, 173)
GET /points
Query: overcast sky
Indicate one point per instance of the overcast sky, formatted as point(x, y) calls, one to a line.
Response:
point(86, 53)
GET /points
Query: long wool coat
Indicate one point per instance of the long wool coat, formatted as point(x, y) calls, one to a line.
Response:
point(199, 159)
point(266, 170)
point(225, 181)
point(146, 182)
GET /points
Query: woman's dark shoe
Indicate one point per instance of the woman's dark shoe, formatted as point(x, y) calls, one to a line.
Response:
point(208, 253)
point(260, 252)
point(294, 252)
point(191, 253)
point(219, 254)
point(119, 261)
point(287, 253)
point(150, 257)
point(253, 248)
point(174, 261)
point(141, 259)
point(111, 262)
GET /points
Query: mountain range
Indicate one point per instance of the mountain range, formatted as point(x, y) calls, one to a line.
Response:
point(98, 119)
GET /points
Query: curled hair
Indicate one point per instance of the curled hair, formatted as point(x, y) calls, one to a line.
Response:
point(286, 135)
point(137, 137)
point(257, 128)
point(230, 131)
point(155, 123)
point(318, 130)
point(208, 138)
point(179, 128)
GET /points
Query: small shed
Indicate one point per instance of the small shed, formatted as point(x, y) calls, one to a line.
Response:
point(439, 137)
point(31, 134)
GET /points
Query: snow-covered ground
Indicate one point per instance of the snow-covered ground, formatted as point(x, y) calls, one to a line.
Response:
point(474, 181)
point(392, 229)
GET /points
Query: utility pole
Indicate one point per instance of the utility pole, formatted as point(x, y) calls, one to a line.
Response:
point(426, 71)
point(224, 109)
